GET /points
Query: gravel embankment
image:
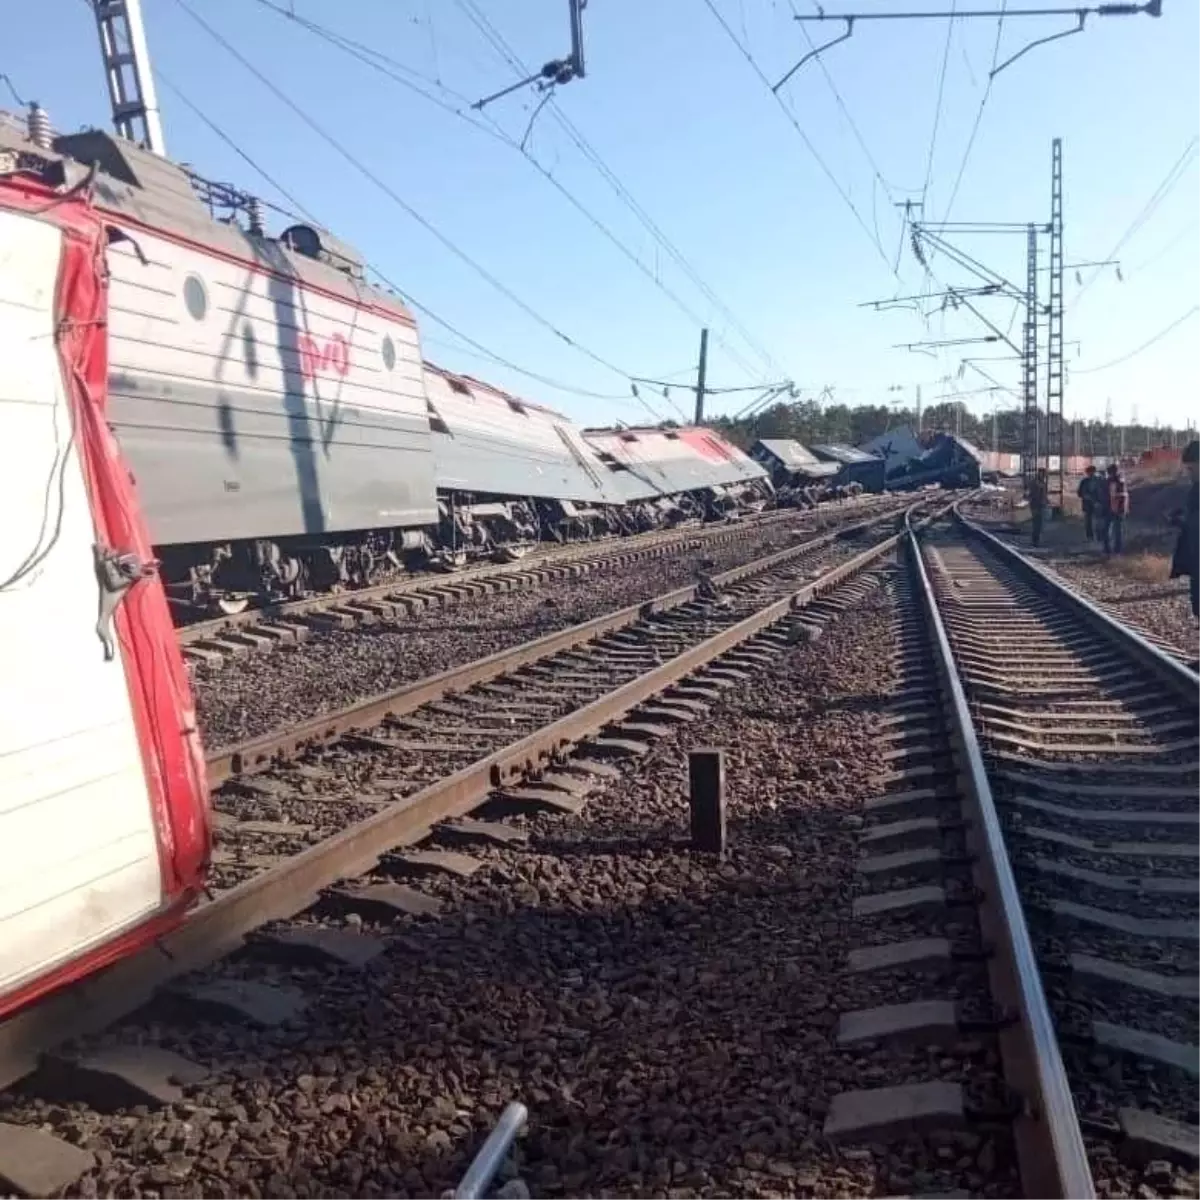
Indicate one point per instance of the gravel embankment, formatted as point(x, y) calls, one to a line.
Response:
point(667, 1017)
point(252, 695)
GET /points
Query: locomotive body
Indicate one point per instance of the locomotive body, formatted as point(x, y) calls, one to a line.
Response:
point(104, 823)
point(284, 430)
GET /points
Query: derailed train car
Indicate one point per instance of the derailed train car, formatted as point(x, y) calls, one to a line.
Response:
point(679, 472)
point(285, 432)
point(105, 829)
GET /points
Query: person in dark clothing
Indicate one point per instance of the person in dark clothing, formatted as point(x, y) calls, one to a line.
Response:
point(1089, 498)
point(1114, 509)
point(1039, 497)
point(1186, 559)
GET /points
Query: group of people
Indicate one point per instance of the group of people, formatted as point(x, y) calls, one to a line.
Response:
point(1105, 502)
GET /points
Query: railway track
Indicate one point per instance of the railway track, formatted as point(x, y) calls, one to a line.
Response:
point(383, 786)
point(946, 1028)
point(214, 640)
point(1081, 738)
point(1042, 821)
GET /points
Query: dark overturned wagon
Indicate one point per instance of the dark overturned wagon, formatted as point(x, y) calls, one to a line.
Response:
point(949, 460)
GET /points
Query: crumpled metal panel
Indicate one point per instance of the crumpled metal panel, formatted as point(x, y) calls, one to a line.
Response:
point(786, 452)
point(838, 452)
point(489, 442)
point(665, 462)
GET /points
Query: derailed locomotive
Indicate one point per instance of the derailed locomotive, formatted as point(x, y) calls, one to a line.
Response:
point(286, 433)
point(105, 832)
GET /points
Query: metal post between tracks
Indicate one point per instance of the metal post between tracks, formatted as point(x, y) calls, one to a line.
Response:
point(1032, 1059)
point(706, 797)
point(486, 1163)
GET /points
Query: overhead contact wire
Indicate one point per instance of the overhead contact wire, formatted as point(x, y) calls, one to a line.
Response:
point(841, 191)
point(397, 199)
point(409, 299)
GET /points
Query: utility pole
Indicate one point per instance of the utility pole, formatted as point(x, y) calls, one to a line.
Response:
point(127, 69)
point(701, 375)
point(1029, 378)
point(918, 412)
point(1108, 425)
point(1054, 340)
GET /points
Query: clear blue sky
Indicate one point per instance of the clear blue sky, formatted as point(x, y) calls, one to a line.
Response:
point(678, 114)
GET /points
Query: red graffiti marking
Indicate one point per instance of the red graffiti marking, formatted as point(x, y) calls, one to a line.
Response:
point(316, 360)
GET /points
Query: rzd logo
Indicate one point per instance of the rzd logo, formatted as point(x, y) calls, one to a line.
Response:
point(316, 360)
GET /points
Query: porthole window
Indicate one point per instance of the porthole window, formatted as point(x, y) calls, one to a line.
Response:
point(389, 353)
point(195, 297)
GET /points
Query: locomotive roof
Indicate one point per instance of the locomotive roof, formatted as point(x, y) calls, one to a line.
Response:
point(162, 196)
point(490, 391)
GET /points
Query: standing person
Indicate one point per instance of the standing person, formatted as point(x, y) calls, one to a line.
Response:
point(1089, 498)
point(1186, 559)
point(1039, 497)
point(1116, 509)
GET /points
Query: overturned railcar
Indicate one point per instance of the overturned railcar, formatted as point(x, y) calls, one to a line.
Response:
point(949, 461)
point(681, 473)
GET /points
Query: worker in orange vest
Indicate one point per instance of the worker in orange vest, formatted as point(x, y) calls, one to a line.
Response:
point(1114, 508)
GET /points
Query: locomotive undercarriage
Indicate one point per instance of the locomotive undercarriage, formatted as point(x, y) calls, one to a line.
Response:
point(228, 577)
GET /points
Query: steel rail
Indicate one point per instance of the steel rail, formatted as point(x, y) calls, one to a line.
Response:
point(215, 929)
point(1171, 671)
point(544, 559)
point(1050, 1149)
point(260, 752)
point(485, 1164)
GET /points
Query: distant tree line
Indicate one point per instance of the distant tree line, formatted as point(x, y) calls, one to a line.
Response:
point(807, 421)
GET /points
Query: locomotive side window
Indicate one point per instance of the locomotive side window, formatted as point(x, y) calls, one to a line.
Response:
point(195, 297)
point(389, 353)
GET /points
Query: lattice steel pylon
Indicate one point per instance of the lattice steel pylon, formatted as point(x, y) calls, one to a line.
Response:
point(1029, 372)
point(1054, 339)
point(127, 69)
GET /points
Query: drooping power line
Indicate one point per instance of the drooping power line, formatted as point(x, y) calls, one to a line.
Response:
point(1162, 333)
point(1160, 193)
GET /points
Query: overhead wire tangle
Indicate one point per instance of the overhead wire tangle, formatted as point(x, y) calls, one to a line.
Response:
point(377, 60)
point(397, 199)
point(409, 299)
point(841, 191)
point(493, 36)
